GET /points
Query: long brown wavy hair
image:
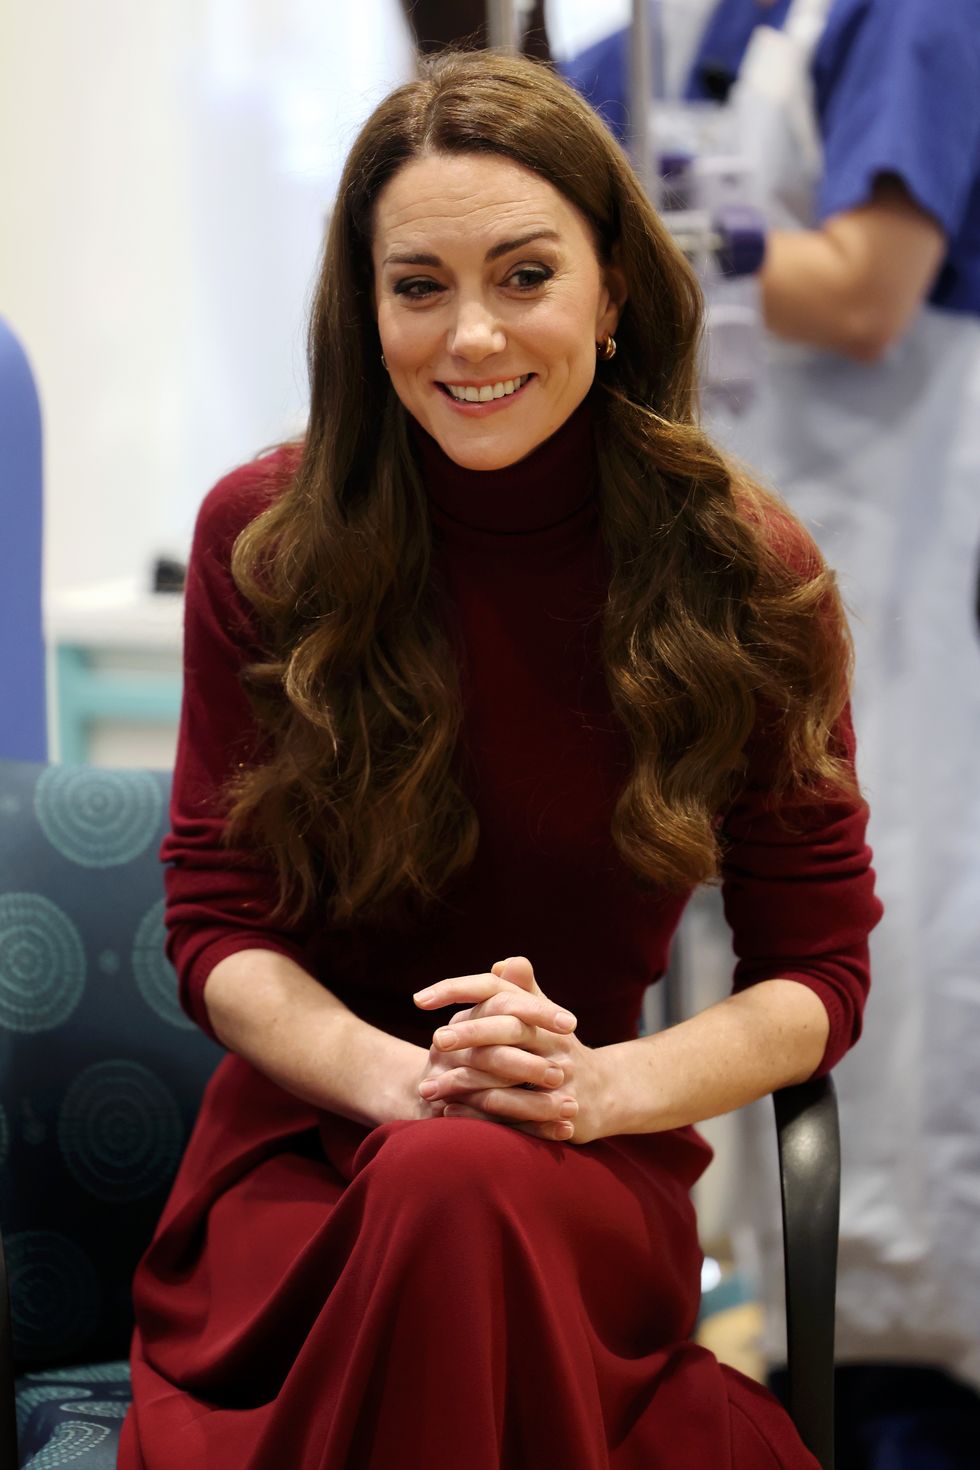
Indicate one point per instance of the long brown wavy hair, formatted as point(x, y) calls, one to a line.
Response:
point(708, 628)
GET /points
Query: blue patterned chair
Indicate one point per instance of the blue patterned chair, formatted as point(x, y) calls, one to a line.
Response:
point(100, 1078)
point(101, 1075)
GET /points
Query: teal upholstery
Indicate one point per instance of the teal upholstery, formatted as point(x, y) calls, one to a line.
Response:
point(101, 1075)
point(72, 1416)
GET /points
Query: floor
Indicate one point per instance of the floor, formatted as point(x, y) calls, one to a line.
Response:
point(734, 1336)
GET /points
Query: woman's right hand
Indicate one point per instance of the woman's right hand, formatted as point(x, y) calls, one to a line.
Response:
point(512, 1067)
point(477, 1069)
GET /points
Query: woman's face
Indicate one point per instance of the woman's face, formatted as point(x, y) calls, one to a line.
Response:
point(487, 282)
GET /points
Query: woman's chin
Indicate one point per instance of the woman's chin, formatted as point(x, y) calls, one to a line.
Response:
point(487, 451)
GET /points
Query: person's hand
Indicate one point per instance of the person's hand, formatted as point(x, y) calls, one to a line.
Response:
point(512, 1056)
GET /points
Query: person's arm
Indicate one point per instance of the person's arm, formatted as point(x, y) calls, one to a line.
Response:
point(244, 972)
point(798, 890)
point(853, 285)
point(895, 88)
point(219, 899)
point(269, 1010)
point(738, 1050)
point(756, 1041)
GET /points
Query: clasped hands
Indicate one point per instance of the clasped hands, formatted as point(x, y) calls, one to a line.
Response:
point(511, 1057)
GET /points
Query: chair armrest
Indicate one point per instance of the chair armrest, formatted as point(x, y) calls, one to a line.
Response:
point(8, 1402)
point(809, 1170)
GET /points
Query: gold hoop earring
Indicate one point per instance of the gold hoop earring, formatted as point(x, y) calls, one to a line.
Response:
point(606, 349)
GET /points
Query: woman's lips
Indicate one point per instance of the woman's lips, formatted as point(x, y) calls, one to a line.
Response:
point(492, 405)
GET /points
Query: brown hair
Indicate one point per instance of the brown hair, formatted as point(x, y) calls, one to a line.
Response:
point(708, 624)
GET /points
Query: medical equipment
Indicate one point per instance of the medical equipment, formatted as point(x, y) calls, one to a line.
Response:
point(704, 193)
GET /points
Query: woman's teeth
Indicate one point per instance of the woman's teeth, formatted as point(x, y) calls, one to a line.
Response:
point(488, 391)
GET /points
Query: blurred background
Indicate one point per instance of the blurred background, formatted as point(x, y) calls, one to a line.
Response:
point(166, 175)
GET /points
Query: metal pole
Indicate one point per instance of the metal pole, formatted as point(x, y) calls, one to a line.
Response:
point(641, 98)
point(502, 24)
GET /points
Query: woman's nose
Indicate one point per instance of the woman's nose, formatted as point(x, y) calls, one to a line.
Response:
point(475, 334)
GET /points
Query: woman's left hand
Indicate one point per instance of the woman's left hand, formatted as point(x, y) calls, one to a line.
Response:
point(507, 1030)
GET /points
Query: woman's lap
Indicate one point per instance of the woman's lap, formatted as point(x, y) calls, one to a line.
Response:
point(456, 1281)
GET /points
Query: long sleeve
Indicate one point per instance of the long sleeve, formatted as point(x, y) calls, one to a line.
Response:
point(798, 890)
point(219, 900)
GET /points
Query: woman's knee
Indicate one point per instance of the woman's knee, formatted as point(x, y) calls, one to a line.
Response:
point(459, 1163)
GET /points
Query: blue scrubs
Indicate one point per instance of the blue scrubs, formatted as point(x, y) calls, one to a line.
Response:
point(897, 90)
point(601, 74)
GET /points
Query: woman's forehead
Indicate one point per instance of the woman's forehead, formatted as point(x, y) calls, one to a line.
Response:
point(459, 196)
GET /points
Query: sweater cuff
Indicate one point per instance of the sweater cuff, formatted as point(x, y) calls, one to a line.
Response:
point(840, 1037)
point(193, 980)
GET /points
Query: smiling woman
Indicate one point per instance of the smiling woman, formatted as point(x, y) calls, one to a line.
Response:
point(503, 656)
point(525, 309)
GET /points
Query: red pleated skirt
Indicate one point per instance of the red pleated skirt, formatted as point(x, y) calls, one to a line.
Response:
point(438, 1295)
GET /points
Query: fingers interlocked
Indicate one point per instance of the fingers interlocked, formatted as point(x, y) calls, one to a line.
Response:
point(511, 1050)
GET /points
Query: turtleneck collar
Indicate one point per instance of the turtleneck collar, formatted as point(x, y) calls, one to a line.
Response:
point(540, 492)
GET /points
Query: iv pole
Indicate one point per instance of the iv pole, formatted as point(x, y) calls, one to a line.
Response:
point(502, 25)
point(641, 99)
point(505, 20)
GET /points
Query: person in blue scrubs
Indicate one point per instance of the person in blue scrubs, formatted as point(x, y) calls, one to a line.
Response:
point(869, 424)
point(897, 91)
point(897, 86)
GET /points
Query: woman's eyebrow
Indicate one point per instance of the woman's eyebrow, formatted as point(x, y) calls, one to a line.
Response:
point(506, 246)
point(494, 253)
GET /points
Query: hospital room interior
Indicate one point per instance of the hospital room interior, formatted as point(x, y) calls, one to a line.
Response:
point(172, 198)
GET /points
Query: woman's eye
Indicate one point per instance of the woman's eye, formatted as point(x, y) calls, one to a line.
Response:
point(527, 277)
point(416, 290)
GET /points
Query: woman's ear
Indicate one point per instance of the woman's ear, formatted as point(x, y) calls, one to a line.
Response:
point(615, 293)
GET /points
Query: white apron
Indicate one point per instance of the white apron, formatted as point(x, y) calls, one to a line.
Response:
point(882, 463)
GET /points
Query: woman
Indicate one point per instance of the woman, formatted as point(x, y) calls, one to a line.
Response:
point(502, 658)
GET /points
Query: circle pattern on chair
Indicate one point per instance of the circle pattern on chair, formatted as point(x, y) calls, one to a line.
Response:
point(54, 1291)
point(98, 818)
point(70, 1441)
point(42, 963)
point(98, 1408)
point(155, 975)
point(34, 1394)
point(120, 1131)
point(87, 1373)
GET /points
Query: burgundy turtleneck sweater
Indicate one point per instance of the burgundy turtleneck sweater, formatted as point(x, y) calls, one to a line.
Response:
point(525, 575)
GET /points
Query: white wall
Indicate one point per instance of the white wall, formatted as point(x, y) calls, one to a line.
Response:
point(166, 167)
point(165, 172)
point(574, 25)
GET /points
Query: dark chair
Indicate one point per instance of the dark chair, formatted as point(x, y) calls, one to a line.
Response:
point(101, 1075)
point(808, 1137)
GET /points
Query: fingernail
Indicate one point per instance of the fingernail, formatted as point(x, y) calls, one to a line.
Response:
point(553, 1076)
point(422, 996)
point(428, 1089)
point(445, 1036)
point(566, 1021)
point(564, 1130)
point(568, 1108)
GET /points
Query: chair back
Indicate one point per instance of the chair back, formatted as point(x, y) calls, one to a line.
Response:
point(101, 1073)
point(22, 712)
